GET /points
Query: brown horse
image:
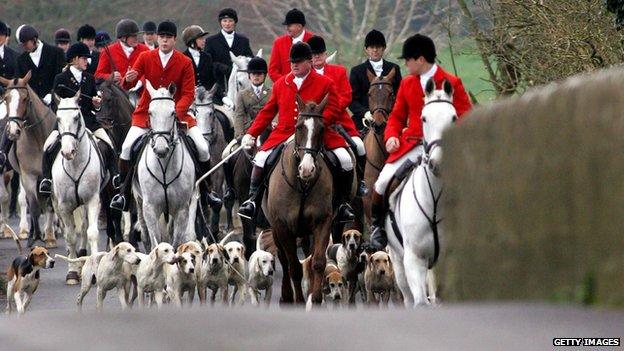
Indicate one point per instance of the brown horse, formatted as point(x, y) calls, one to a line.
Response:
point(381, 97)
point(299, 203)
point(30, 122)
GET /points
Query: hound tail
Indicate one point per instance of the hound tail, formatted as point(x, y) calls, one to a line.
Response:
point(72, 260)
point(226, 238)
point(266, 242)
point(16, 239)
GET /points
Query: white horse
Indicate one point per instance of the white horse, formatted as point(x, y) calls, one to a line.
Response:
point(239, 79)
point(77, 178)
point(415, 205)
point(165, 174)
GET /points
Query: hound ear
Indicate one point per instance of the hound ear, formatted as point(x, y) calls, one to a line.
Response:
point(326, 286)
point(223, 251)
point(371, 76)
point(429, 87)
point(391, 75)
point(26, 77)
point(115, 250)
point(172, 88)
point(154, 254)
point(300, 103)
point(243, 251)
point(205, 243)
point(448, 88)
point(344, 240)
point(324, 102)
point(150, 88)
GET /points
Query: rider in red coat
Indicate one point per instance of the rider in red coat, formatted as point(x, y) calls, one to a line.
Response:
point(162, 67)
point(338, 75)
point(403, 134)
point(117, 58)
point(279, 65)
point(311, 86)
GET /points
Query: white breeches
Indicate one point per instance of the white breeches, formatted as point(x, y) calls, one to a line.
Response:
point(133, 134)
point(343, 156)
point(359, 145)
point(389, 169)
point(261, 157)
point(51, 139)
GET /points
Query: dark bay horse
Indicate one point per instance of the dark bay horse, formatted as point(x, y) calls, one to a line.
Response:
point(298, 202)
point(381, 97)
point(30, 122)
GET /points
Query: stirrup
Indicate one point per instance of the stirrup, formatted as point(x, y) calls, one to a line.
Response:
point(213, 200)
point(45, 187)
point(345, 213)
point(246, 206)
point(378, 238)
point(115, 203)
point(117, 182)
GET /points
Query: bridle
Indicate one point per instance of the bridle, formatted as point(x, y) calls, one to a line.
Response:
point(209, 136)
point(384, 110)
point(17, 119)
point(78, 128)
point(311, 151)
point(170, 135)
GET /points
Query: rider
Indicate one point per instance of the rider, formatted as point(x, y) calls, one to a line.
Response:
point(194, 39)
point(178, 69)
point(374, 45)
point(249, 102)
point(295, 22)
point(102, 39)
point(44, 62)
point(221, 44)
point(118, 57)
point(66, 84)
point(86, 34)
point(8, 57)
point(403, 134)
point(311, 86)
point(62, 38)
point(339, 75)
point(149, 35)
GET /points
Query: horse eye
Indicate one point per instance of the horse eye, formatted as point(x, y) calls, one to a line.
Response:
point(128, 250)
point(424, 119)
point(454, 119)
point(166, 250)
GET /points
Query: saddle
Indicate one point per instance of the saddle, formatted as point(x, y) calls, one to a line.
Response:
point(399, 177)
point(192, 148)
point(228, 131)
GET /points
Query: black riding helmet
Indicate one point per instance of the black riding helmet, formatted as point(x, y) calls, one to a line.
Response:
point(257, 65)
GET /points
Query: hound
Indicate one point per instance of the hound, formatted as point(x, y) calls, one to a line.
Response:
point(181, 278)
point(150, 275)
point(107, 270)
point(213, 273)
point(197, 250)
point(261, 269)
point(237, 268)
point(346, 256)
point(379, 279)
point(23, 277)
point(334, 285)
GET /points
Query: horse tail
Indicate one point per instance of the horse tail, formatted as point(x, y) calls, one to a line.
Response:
point(72, 260)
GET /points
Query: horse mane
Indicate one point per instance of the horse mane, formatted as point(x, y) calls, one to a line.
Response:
point(40, 109)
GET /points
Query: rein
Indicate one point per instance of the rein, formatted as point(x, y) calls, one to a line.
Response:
point(71, 134)
point(20, 121)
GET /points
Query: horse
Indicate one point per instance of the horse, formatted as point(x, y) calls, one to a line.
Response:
point(165, 173)
point(5, 228)
point(30, 122)
point(77, 177)
point(298, 202)
point(213, 133)
point(239, 79)
point(381, 97)
point(414, 213)
point(115, 115)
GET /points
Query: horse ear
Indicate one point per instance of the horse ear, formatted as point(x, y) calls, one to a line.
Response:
point(370, 75)
point(324, 102)
point(77, 96)
point(448, 87)
point(200, 93)
point(213, 90)
point(300, 103)
point(235, 59)
point(150, 88)
point(391, 75)
point(259, 53)
point(57, 98)
point(5, 82)
point(172, 88)
point(26, 78)
point(429, 87)
point(331, 57)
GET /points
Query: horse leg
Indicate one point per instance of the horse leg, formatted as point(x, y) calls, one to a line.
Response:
point(147, 242)
point(50, 236)
point(287, 291)
point(4, 210)
point(319, 260)
point(229, 205)
point(401, 279)
point(151, 218)
point(215, 218)
point(93, 211)
point(249, 229)
point(33, 205)
point(294, 267)
point(192, 217)
point(80, 220)
point(73, 269)
point(416, 274)
point(180, 224)
point(24, 225)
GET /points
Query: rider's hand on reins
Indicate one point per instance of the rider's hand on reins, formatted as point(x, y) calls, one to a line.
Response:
point(248, 141)
point(392, 144)
point(131, 75)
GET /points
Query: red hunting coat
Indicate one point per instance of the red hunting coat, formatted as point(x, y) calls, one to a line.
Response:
point(122, 63)
point(339, 75)
point(407, 111)
point(282, 102)
point(279, 63)
point(179, 70)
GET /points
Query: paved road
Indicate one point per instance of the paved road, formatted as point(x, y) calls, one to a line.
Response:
point(52, 323)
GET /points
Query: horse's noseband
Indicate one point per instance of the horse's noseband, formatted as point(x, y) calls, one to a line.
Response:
point(71, 134)
point(169, 135)
point(306, 150)
point(16, 119)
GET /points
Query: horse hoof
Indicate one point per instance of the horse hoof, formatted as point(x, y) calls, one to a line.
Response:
point(72, 278)
point(23, 234)
point(82, 252)
point(51, 244)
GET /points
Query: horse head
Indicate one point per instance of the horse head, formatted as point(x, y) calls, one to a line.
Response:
point(239, 79)
point(70, 124)
point(204, 109)
point(16, 98)
point(162, 118)
point(114, 101)
point(437, 115)
point(309, 135)
point(380, 99)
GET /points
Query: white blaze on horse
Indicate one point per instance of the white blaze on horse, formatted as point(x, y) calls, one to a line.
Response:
point(77, 178)
point(165, 173)
point(415, 205)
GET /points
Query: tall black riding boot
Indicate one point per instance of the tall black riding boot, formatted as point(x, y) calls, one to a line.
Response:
point(208, 196)
point(228, 171)
point(343, 193)
point(119, 201)
point(379, 237)
point(49, 155)
point(110, 162)
point(256, 189)
point(362, 190)
point(5, 147)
